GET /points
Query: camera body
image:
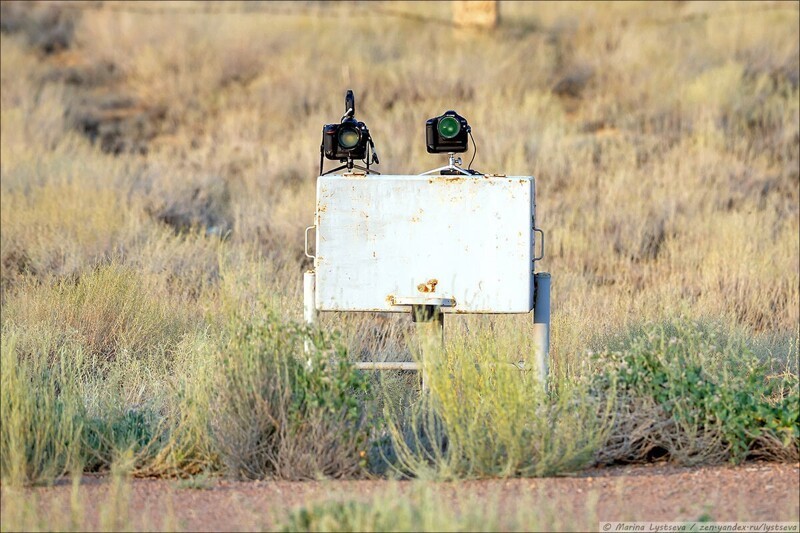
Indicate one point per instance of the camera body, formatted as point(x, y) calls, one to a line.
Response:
point(446, 133)
point(348, 139)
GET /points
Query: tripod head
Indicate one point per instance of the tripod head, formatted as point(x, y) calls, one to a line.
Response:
point(348, 141)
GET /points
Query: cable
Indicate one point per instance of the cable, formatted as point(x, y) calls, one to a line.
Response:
point(474, 149)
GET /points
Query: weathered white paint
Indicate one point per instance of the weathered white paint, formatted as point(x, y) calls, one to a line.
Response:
point(309, 286)
point(382, 241)
point(309, 309)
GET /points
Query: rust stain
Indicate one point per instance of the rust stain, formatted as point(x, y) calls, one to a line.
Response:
point(430, 286)
point(355, 174)
point(390, 299)
point(322, 208)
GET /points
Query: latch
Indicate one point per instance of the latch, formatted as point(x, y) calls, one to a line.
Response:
point(541, 255)
point(314, 257)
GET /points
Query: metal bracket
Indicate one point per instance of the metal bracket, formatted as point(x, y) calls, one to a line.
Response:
point(422, 300)
point(314, 257)
point(448, 167)
point(452, 165)
point(541, 256)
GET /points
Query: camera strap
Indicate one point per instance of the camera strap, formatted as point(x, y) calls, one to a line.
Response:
point(374, 152)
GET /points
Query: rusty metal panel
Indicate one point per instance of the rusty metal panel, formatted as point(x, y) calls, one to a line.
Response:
point(386, 242)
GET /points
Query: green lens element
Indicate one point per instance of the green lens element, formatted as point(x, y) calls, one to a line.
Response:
point(448, 127)
point(349, 137)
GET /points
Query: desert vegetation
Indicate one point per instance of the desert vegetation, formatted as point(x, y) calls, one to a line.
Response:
point(157, 170)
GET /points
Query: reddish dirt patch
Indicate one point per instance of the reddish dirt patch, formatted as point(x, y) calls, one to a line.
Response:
point(752, 492)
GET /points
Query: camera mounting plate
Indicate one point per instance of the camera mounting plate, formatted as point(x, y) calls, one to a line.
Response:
point(452, 168)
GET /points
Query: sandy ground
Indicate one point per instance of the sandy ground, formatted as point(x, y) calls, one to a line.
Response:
point(751, 492)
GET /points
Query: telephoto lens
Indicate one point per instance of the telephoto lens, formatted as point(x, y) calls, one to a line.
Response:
point(448, 127)
point(349, 136)
point(447, 133)
point(348, 140)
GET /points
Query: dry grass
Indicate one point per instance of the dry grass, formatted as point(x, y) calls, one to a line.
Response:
point(675, 145)
point(157, 173)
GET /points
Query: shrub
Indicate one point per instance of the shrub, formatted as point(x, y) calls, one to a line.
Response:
point(113, 346)
point(485, 417)
point(181, 444)
point(689, 392)
point(278, 414)
point(107, 312)
point(132, 430)
point(433, 507)
point(41, 417)
point(419, 509)
point(48, 27)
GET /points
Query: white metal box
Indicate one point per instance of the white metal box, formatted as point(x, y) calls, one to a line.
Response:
point(464, 242)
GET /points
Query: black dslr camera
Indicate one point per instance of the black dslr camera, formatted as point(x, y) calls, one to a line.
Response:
point(447, 133)
point(349, 140)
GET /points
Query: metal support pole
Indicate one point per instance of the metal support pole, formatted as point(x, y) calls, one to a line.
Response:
point(309, 307)
point(430, 332)
point(541, 322)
